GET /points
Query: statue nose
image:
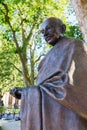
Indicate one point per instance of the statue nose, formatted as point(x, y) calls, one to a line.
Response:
point(45, 32)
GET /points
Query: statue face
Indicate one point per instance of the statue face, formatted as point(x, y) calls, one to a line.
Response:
point(50, 31)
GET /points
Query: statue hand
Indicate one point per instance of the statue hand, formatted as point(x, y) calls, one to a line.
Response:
point(16, 92)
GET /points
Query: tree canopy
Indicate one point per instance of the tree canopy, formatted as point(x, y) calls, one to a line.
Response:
point(22, 45)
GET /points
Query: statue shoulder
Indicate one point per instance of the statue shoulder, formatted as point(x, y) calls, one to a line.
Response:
point(80, 46)
point(80, 50)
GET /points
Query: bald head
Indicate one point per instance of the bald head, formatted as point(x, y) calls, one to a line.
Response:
point(53, 20)
point(52, 29)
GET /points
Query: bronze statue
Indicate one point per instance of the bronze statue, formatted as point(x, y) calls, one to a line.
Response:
point(58, 101)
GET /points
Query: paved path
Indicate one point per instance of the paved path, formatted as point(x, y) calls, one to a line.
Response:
point(10, 125)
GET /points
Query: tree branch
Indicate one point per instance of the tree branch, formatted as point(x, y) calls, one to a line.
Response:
point(20, 24)
point(39, 58)
point(16, 68)
point(2, 11)
point(30, 33)
point(22, 27)
point(13, 31)
point(6, 15)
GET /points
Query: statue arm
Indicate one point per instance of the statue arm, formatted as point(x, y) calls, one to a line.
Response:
point(75, 99)
point(73, 96)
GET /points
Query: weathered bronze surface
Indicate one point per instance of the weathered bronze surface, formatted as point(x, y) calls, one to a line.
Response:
point(58, 101)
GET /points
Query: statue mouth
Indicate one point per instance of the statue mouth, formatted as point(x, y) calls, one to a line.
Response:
point(48, 38)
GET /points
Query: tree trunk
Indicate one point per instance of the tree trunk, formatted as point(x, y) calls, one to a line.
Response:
point(26, 77)
point(80, 7)
point(32, 65)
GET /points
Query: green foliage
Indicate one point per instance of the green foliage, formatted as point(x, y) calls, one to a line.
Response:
point(9, 75)
point(2, 109)
point(1, 1)
point(74, 31)
point(24, 18)
point(12, 110)
point(0, 128)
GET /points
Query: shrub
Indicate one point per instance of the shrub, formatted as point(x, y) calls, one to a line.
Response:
point(0, 128)
point(2, 109)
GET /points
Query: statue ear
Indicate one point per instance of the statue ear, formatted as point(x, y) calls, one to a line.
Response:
point(63, 28)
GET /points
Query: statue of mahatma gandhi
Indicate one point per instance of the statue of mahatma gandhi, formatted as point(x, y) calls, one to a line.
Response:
point(59, 99)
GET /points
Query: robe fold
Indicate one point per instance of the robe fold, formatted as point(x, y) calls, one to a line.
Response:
point(58, 101)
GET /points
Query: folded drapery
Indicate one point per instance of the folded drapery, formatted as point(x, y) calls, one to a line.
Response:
point(58, 101)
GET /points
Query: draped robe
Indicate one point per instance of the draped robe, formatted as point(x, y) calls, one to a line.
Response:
point(58, 101)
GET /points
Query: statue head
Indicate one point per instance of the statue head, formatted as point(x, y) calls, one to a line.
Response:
point(52, 29)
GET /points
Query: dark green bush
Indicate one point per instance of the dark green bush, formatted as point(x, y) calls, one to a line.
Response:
point(2, 109)
point(0, 128)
